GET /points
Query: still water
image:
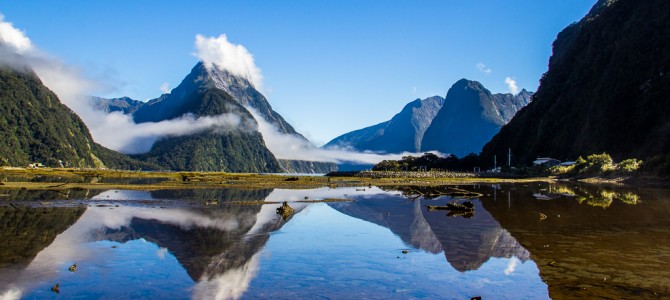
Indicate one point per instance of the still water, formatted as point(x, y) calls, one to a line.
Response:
point(531, 241)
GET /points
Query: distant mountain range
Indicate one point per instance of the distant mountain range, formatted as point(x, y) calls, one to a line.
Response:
point(606, 89)
point(459, 124)
point(124, 105)
point(403, 133)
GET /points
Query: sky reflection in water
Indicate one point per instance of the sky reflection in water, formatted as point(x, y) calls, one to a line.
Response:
point(334, 250)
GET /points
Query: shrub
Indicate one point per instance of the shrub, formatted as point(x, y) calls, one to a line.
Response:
point(599, 162)
point(629, 165)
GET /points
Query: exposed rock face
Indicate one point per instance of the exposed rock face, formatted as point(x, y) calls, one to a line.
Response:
point(605, 91)
point(471, 115)
point(403, 133)
point(124, 105)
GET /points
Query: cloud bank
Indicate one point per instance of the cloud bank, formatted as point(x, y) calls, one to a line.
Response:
point(236, 59)
point(139, 138)
point(511, 84)
point(293, 147)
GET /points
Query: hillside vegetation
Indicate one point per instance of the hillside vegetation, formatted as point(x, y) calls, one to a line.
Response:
point(606, 90)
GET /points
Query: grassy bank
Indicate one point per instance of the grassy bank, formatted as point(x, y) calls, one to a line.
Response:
point(62, 179)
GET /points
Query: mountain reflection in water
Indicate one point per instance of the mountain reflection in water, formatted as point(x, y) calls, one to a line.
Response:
point(466, 243)
point(592, 242)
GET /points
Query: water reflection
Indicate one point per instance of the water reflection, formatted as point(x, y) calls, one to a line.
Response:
point(602, 242)
point(382, 244)
point(600, 196)
point(467, 243)
point(213, 244)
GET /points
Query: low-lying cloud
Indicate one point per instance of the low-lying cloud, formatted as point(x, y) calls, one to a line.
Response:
point(293, 147)
point(139, 138)
point(114, 130)
point(119, 132)
point(236, 59)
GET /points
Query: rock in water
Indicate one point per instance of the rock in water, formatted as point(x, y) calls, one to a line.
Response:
point(285, 210)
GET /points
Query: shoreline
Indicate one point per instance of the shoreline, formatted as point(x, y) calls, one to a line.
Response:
point(97, 179)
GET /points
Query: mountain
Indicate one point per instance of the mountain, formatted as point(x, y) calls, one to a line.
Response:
point(403, 133)
point(235, 147)
point(37, 128)
point(220, 148)
point(246, 94)
point(470, 116)
point(606, 89)
point(124, 105)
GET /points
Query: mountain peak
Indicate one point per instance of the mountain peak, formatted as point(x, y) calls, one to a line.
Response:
point(470, 116)
point(225, 80)
point(403, 132)
point(468, 84)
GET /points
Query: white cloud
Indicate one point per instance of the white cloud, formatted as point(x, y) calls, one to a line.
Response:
point(13, 37)
point(11, 294)
point(511, 84)
point(114, 130)
point(138, 138)
point(511, 265)
point(165, 88)
point(288, 146)
point(483, 68)
point(236, 59)
point(119, 132)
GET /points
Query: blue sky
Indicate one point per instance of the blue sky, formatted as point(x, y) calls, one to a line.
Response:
point(329, 67)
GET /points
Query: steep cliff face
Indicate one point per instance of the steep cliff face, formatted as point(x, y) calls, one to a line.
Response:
point(471, 115)
point(403, 133)
point(124, 105)
point(605, 91)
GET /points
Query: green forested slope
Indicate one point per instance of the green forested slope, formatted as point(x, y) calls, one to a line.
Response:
point(607, 89)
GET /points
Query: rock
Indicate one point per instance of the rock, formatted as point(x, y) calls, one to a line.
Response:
point(285, 210)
